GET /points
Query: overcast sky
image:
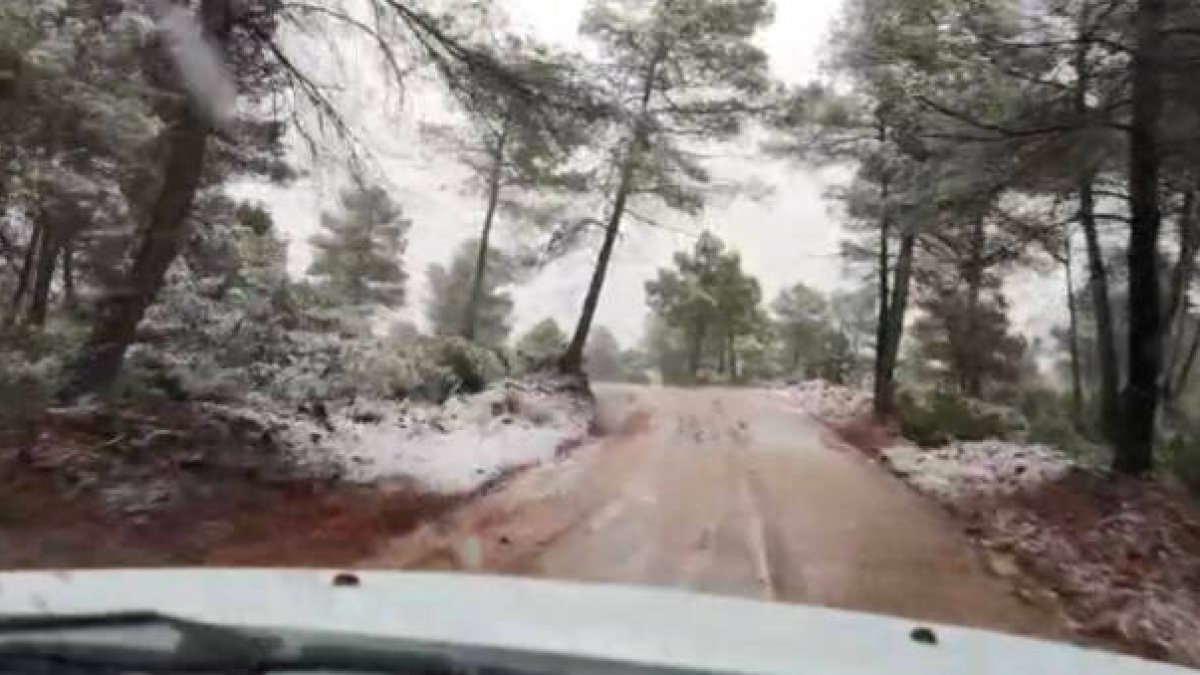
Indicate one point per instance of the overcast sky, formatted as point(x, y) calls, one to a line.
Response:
point(788, 236)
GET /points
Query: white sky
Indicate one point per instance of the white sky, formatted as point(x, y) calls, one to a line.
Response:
point(786, 237)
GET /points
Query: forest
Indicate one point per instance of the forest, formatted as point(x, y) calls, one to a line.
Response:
point(980, 138)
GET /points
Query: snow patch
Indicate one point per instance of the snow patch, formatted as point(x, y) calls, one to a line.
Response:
point(451, 449)
point(985, 468)
point(1121, 555)
point(830, 402)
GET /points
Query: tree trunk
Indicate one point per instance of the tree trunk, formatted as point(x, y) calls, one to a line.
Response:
point(1106, 343)
point(696, 348)
point(722, 353)
point(1073, 338)
point(973, 378)
point(895, 326)
point(494, 184)
point(1189, 361)
point(1177, 303)
point(733, 360)
point(1181, 275)
point(27, 265)
point(43, 276)
point(122, 309)
point(68, 276)
point(572, 360)
point(1135, 454)
point(119, 313)
point(8, 251)
point(883, 388)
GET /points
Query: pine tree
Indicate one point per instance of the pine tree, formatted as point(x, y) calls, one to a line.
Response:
point(359, 255)
point(966, 341)
point(262, 254)
point(603, 360)
point(206, 67)
point(541, 346)
point(451, 291)
point(678, 70)
point(515, 152)
point(801, 318)
point(711, 302)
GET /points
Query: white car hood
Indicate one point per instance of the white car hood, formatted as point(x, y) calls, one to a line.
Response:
point(639, 625)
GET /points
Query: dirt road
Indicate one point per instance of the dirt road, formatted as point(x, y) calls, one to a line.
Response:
point(725, 491)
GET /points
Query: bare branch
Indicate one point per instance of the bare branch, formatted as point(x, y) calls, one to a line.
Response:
point(997, 128)
point(389, 54)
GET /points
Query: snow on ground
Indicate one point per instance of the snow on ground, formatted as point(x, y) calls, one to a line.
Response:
point(970, 470)
point(1122, 555)
point(455, 448)
point(832, 403)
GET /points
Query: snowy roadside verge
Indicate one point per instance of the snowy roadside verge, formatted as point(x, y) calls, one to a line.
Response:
point(967, 471)
point(830, 403)
point(1122, 556)
point(452, 449)
point(1119, 557)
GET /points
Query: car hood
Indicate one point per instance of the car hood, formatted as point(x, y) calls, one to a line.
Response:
point(616, 623)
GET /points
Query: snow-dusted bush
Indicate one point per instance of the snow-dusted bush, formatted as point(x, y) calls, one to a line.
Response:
point(31, 363)
point(541, 347)
point(830, 402)
point(25, 386)
point(391, 369)
point(424, 368)
point(941, 417)
point(1180, 453)
point(473, 366)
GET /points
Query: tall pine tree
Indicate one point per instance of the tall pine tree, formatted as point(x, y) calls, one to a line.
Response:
point(358, 256)
point(677, 71)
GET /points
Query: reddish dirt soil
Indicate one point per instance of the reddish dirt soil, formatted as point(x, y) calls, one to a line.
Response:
point(1124, 555)
point(866, 434)
point(1120, 556)
point(232, 502)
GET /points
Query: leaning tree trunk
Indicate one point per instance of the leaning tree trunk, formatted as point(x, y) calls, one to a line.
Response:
point(572, 360)
point(1135, 454)
point(120, 312)
point(471, 319)
point(122, 309)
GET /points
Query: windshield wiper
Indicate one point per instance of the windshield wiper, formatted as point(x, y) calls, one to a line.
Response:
point(132, 641)
point(148, 642)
